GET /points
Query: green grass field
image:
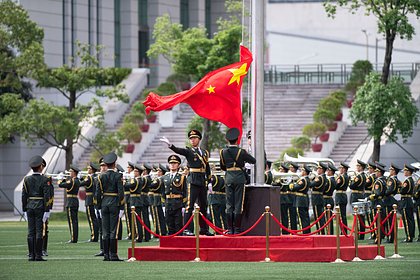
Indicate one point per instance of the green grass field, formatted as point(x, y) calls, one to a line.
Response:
point(76, 261)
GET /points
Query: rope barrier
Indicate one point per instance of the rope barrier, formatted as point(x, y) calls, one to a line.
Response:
point(372, 224)
point(211, 225)
point(164, 236)
point(391, 227)
point(294, 232)
point(344, 227)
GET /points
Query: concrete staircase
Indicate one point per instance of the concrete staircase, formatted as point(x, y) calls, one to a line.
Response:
point(346, 147)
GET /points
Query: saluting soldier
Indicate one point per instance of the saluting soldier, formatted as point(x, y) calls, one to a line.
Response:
point(285, 201)
point(157, 188)
point(328, 193)
point(90, 187)
point(72, 202)
point(392, 185)
point(127, 206)
point(217, 200)
point(370, 182)
point(378, 194)
point(175, 194)
point(35, 206)
point(198, 174)
point(406, 203)
point(318, 186)
point(357, 186)
point(232, 160)
point(301, 188)
point(341, 191)
point(110, 198)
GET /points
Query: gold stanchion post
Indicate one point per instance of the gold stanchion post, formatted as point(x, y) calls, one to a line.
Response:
point(337, 234)
point(133, 242)
point(356, 235)
point(267, 234)
point(197, 233)
point(378, 234)
point(395, 255)
point(328, 217)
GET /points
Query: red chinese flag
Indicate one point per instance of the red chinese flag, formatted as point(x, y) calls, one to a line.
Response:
point(216, 97)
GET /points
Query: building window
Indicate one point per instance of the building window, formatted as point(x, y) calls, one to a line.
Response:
point(143, 33)
point(208, 18)
point(185, 15)
point(117, 33)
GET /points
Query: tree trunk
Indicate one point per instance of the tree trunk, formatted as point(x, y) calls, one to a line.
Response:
point(376, 150)
point(388, 57)
point(206, 134)
point(69, 152)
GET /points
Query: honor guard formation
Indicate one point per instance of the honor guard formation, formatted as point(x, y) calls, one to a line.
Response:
point(164, 196)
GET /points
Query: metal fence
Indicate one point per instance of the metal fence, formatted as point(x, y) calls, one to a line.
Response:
point(328, 73)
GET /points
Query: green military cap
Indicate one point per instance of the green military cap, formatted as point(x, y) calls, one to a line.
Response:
point(395, 167)
point(344, 165)
point(361, 163)
point(380, 168)
point(409, 167)
point(163, 168)
point(174, 159)
point(284, 167)
point(94, 166)
point(74, 168)
point(370, 164)
point(130, 164)
point(322, 165)
point(147, 166)
point(232, 134)
point(120, 168)
point(36, 161)
point(332, 167)
point(138, 167)
point(307, 168)
point(194, 133)
point(295, 165)
point(110, 158)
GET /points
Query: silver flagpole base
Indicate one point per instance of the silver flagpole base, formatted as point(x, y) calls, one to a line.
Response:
point(196, 260)
point(338, 261)
point(379, 257)
point(132, 259)
point(357, 259)
point(267, 260)
point(396, 256)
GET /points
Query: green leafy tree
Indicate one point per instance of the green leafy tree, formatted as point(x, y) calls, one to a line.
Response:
point(392, 19)
point(314, 130)
point(360, 70)
point(217, 138)
point(386, 109)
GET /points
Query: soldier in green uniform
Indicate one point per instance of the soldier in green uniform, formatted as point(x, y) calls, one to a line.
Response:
point(103, 168)
point(120, 169)
point(406, 204)
point(127, 206)
point(370, 181)
point(318, 186)
point(268, 175)
point(174, 194)
point(232, 160)
point(379, 189)
point(293, 168)
point(72, 202)
point(301, 188)
point(357, 186)
point(328, 194)
point(145, 195)
point(342, 183)
point(45, 230)
point(416, 197)
point(198, 174)
point(392, 186)
point(286, 201)
point(89, 184)
point(35, 206)
point(217, 200)
point(157, 188)
point(110, 199)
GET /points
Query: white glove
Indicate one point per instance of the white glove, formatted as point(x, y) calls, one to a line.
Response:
point(60, 176)
point(121, 213)
point(25, 216)
point(98, 214)
point(165, 140)
point(210, 186)
point(183, 211)
point(45, 217)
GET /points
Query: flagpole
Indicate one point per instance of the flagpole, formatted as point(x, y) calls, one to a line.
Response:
point(257, 89)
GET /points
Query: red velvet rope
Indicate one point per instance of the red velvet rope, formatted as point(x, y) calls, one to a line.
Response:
point(165, 236)
point(386, 218)
point(392, 225)
point(344, 227)
point(294, 232)
point(221, 232)
point(372, 224)
point(308, 227)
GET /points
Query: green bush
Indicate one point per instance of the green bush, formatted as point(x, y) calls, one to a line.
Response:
point(301, 142)
point(129, 131)
point(314, 130)
point(361, 69)
point(340, 95)
point(112, 76)
point(325, 116)
point(166, 88)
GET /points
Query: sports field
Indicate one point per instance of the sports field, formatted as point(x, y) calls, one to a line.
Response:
point(76, 261)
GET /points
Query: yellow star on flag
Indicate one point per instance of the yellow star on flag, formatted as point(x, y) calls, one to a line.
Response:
point(210, 89)
point(238, 73)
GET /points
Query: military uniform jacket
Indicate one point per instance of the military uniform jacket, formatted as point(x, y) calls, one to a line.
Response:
point(268, 177)
point(318, 185)
point(416, 194)
point(138, 197)
point(378, 194)
point(370, 181)
point(175, 191)
point(36, 192)
point(406, 191)
point(392, 185)
point(198, 164)
point(219, 190)
point(126, 185)
point(330, 187)
point(72, 190)
point(301, 188)
point(147, 182)
point(358, 185)
point(90, 186)
point(285, 197)
point(342, 183)
point(157, 187)
point(110, 189)
point(232, 160)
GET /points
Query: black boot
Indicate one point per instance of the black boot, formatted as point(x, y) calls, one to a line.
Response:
point(101, 246)
point(106, 249)
point(31, 248)
point(113, 251)
point(237, 223)
point(38, 249)
point(45, 245)
point(229, 221)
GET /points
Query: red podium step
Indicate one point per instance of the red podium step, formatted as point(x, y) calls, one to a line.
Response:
point(316, 248)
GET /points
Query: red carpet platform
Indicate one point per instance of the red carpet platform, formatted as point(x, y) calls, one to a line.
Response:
point(316, 248)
